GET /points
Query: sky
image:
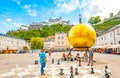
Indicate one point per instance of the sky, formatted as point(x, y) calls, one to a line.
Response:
point(14, 13)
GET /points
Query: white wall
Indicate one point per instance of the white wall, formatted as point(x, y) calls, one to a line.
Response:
point(110, 37)
point(12, 43)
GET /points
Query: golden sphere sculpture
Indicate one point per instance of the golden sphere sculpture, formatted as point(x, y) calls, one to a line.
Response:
point(82, 36)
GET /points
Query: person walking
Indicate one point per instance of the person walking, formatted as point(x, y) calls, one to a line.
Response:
point(42, 61)
point(49, 53)
point(90, 57)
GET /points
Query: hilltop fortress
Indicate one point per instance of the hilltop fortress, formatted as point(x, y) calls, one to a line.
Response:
point(50, 22)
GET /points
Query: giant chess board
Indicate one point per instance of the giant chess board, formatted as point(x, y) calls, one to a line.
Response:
point(52, 71)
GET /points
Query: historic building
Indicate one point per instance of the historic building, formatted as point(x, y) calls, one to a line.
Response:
point(24, 27)
point(50, 22)
point(61, 41)
point(7, 42)
point(49, 42)
point(112, 37)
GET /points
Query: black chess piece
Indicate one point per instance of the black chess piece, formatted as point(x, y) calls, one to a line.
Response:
point(36, 61)
point(53, 61)
point(76, 71)
point(106, 72)
point(106, 67)
point(71, 71)
point(58, 62)
point(79, 61)
point(61, 72)
point(92, 70)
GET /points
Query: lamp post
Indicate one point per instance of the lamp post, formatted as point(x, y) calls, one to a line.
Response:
point(80, 19)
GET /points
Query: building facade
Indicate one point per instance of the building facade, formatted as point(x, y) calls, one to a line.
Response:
point(49, 42)
point(24, 27)
point(112, 37)
point(61, 41)
point(7, 42)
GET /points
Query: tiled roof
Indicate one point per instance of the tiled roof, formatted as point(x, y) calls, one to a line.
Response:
point(51, 37)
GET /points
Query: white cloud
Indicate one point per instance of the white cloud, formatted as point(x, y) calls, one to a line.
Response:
point(10, 22)
point(66, 5)
point(30, 11)
point(9, 19)
point(17, 1)
point(99, 7)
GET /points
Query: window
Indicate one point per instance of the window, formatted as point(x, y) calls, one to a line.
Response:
point(62, 37)
point(58, 37)
point(118, 32)
point(101, 38)
point(110, 34)
point(118, 42)
point(58, 42)
point(62, 42)
point(104, 38)
point(111, 43)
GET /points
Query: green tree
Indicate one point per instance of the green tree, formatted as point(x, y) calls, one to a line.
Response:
point(94, 20)
point(105, 19)
point(111, 14)
point(118, 12)
point(45, 27)
point(45, 31)
point(25, 48)
point(56, 28)
point(66, 29)
point(97, 19)
point(36, 43)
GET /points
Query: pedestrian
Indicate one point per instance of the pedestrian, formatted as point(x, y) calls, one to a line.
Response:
point(90, 57)
point(49, 53)
point(42, 61)
point(85, 56)
point(64, 57)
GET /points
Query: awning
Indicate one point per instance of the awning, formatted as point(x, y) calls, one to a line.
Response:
point(114, 46)
point(106, 46)
point(96, 46)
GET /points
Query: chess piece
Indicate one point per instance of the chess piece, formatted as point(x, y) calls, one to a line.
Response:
point(76, 71)
point(106, 72)
point(79, 61)
point(53, 61)
point(58, 62)
point(61, 72)
point(92, 70)
point(71, 71)
point(36, 61)
point(106, 67)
